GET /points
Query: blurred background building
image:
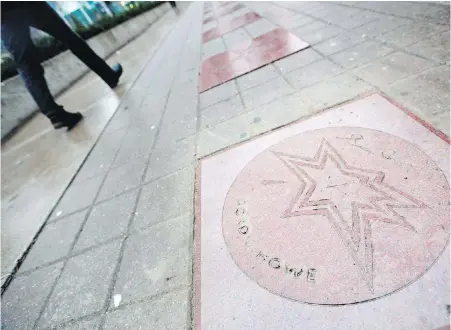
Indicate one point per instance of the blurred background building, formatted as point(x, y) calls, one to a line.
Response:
point(82, 14)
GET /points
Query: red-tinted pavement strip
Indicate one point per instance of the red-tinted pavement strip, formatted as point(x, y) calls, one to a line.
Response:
point(249, 56)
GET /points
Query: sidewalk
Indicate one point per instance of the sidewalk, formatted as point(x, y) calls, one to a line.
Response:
point(121, 248)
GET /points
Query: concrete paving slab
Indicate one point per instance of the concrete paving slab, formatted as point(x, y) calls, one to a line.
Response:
point(313, 73)
point(82, 288)
point(339, 43)
point(236, 37)
point(260, 27)
point(222, 135)
point(169, 311)
point(298, 60)
point(155, 260)
point(101, 156)
point(221, 111)
point(266, 92)
point(23, 300)
point(107, 220)
point(122, 178)
point(361, 54)
point(217, 94)
point(257, 77)
point(167, 159)
point(55, 241)
point(89, 324)
point(78, 196)
point(261, 268)
point(388, 70)
point(165, 198)
point(322, 34)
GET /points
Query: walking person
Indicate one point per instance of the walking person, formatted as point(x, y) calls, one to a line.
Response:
point(17, 18)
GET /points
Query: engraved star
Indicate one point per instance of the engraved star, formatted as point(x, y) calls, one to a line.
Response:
point(380, 202)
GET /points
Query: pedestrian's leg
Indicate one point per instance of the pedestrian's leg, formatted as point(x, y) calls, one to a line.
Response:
point(17, 40)
point(47, 20)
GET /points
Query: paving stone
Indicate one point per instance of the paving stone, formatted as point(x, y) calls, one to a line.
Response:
point(391, 68)
point(260, 27)
point(54, 242)
point(320, 12)
point(294, 21)
point(165, 198)
point(338, 43)
point(223, 135)
point(236, 38)
point(142, 119)
point(435, 48)
point(136, 145)
point(427, 93)
point(122, 178)
point(166, 312)
point(314, 8)
point(169, 158)
point(323, 34)
point(339, 89)
point(360, 54)
point(221, 111)
point(440, 121)
point(101, 156)
point(257, 77)
point(78, 196)
point(89, 324)
point(213, 47)
point(338, 15)
point(298, 60)
point(156, 260)
point(359, 19)
point(25, 297)
point(266, 92)
point(83, 286)
point(234, 14)
point(406, 35)
point(210, 25)
point(151, 108)
point(379, 27)
point(217, 94)
point(174, 129)
point(107, 220)
point(309, 28)
point(181, 91)
point(312, 73)
point(277, 113)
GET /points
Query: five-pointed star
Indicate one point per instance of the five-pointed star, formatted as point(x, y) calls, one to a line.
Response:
point(380, 205)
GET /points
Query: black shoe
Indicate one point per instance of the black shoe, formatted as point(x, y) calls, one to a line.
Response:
point(61, 118)
point(117, 68)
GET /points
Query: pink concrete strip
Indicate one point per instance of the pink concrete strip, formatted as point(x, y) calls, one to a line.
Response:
point(249, 56)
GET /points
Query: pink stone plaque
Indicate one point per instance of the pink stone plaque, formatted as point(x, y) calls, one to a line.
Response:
point(337, 216)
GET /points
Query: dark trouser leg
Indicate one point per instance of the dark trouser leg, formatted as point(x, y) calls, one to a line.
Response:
point(16, 38)
point(46, 19)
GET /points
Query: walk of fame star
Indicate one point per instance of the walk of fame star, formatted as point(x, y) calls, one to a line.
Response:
point(369, 198)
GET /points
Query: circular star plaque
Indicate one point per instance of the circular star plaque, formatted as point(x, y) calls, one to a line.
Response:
point(337, 216)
